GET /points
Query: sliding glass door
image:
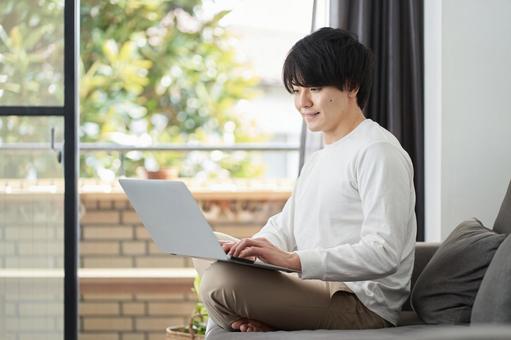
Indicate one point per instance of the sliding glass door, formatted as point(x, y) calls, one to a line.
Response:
point(38, 170)
point(31, 230)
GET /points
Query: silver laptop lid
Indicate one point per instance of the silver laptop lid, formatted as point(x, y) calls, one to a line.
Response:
point(171, 215)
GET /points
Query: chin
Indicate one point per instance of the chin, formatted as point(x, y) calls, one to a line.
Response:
point(313, 128)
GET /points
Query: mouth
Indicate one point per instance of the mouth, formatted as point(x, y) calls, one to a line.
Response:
point(310, 115)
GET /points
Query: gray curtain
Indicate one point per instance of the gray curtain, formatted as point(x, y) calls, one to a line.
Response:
point(393, 30)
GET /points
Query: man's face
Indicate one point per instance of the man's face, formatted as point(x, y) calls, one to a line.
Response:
point(322, 108)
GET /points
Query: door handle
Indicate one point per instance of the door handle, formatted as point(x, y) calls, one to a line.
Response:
point(58, 151)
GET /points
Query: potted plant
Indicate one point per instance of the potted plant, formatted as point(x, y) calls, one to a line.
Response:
point(196, 328)
point(163, 165)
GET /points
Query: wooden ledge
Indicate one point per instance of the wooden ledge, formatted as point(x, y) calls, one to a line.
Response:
point(136, 280)
point(115, 280)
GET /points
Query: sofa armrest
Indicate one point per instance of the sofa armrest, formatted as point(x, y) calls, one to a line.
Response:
point(423, 253)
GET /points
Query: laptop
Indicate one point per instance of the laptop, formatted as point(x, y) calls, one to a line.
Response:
point(176, 224)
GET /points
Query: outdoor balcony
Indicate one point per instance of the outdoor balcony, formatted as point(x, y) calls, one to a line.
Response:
point(128, 288)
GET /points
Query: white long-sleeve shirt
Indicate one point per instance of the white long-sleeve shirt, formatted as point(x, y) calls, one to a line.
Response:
point(351, 218)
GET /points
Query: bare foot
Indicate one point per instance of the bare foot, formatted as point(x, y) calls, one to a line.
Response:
point(247, 325)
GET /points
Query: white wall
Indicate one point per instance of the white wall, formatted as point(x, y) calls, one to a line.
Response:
point(468, 111)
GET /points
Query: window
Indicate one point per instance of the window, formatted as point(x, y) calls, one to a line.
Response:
point(38, 196)
point(195, 89)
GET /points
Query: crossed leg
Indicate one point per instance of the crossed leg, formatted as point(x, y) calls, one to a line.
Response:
point(251, 299)
point(242, 324)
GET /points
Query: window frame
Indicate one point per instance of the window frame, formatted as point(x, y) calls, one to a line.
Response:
point(69, 111)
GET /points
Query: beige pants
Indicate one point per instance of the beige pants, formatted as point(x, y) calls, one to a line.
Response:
point(283, 301)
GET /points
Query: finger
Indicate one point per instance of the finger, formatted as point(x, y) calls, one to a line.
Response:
point(237, 324)
point(240, 246)
point(246, 254)
point(233, 248)
point(258, 250)
point(249, 252)
point(222, 242)
point(265, 253)
point(227, 247)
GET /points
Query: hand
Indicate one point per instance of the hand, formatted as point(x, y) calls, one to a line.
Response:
point(264, 250)
point(226, 245)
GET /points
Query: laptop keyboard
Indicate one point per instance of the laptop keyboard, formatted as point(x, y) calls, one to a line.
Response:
point(240, 259)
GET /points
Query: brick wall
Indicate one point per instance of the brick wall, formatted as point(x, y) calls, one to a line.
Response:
point(31, 238)
point(31, 231)
point(132, 316)
point(31, 309)
point(111, 236)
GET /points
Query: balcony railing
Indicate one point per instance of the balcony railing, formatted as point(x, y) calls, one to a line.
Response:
point(123, 149)
point(161, 147)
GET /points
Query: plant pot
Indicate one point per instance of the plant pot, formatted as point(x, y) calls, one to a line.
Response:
point(181, 333)
point(166, 173)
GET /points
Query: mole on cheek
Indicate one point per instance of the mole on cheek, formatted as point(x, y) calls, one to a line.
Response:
point(331, 100)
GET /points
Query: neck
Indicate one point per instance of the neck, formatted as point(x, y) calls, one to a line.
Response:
point(345, 127)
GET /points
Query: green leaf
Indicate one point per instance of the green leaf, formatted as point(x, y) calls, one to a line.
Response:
point(111, 50)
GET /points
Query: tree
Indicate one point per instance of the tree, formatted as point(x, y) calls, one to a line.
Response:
point(156, 72)
point(152, 71)
point(31, 53)
point(31, 73)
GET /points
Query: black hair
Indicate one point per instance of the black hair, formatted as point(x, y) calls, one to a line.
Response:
point(330, 57)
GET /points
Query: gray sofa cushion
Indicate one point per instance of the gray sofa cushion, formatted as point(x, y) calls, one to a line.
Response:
point(214, 332)
point(503, 221)
point(417, 332)
point(423, 253)
point(446, 289)
point(493, 300)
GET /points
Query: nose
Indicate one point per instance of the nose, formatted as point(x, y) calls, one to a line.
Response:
point(303, 100)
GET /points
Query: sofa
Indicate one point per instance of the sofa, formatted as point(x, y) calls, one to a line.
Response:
point(478, 308)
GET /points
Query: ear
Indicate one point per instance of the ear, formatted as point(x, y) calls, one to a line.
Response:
point(353, 93)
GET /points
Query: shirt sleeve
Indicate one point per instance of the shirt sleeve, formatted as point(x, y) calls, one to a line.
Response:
point(384, 176)
point(279, 228)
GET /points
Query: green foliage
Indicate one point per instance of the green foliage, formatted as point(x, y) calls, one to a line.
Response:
point(151, 72)
point(199, 318)
point(155, 72)
point(31, 52)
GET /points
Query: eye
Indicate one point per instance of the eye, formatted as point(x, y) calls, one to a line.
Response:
point(315, 89)
point(295, 91)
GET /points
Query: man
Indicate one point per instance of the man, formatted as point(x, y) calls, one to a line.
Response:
point(349, 227)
